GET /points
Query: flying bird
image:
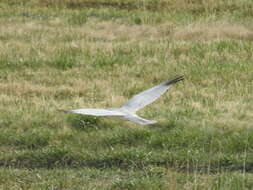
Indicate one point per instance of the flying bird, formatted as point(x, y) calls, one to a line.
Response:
point(137, 102)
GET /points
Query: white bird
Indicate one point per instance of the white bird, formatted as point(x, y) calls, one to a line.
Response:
point(128, 110)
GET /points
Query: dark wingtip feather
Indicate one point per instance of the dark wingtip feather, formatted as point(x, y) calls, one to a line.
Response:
point(175, 80)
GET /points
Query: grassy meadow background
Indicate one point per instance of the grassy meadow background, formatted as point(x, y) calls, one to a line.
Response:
point(69, 54)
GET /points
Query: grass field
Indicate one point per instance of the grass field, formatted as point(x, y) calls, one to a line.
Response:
point(69, 54)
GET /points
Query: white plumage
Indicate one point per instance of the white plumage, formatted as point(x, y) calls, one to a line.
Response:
point(128, 110)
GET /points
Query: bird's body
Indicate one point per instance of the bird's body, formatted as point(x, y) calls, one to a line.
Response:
point(128, 110)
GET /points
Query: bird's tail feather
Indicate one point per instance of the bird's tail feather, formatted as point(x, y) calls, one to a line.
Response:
point(139, 120)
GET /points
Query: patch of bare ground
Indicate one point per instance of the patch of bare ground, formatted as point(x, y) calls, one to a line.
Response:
point(110, 31)
point(213, 31)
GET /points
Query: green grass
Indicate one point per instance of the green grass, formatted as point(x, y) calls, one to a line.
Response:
point(98, 53)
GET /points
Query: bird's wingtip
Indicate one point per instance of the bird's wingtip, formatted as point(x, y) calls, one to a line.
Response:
point(174, 80)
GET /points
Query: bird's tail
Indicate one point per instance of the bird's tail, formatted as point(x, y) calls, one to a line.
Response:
point(139, 120)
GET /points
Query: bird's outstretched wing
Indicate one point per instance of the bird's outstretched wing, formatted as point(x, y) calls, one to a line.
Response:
point(148, 96)
point(96, 112)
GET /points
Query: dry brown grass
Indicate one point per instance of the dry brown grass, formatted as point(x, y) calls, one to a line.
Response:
point(47, 40)
point(105, 34)
point(213, 31)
